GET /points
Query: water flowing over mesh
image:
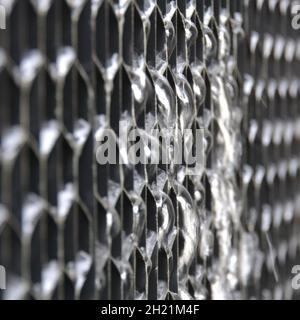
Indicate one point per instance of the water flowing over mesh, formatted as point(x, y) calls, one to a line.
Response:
point(71, 228)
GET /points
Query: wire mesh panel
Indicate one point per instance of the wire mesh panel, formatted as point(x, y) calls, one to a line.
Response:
point(74, 227)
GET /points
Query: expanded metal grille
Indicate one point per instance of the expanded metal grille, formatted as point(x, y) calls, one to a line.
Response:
point(71, 228)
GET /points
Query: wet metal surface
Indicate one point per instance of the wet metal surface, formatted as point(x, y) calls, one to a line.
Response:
point(71, 228)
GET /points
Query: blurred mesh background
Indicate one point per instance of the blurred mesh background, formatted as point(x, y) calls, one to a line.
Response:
point(73, 229)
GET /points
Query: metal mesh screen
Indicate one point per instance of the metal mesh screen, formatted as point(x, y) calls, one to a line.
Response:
point(71, 228)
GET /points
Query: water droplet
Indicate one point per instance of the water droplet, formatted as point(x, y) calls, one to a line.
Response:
point(12, 142)
point(186, 108)
point(49, 134)
point(64, 62)
point(166, 99)
point(29, 68)
point(32, 210)
point(50, 278)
